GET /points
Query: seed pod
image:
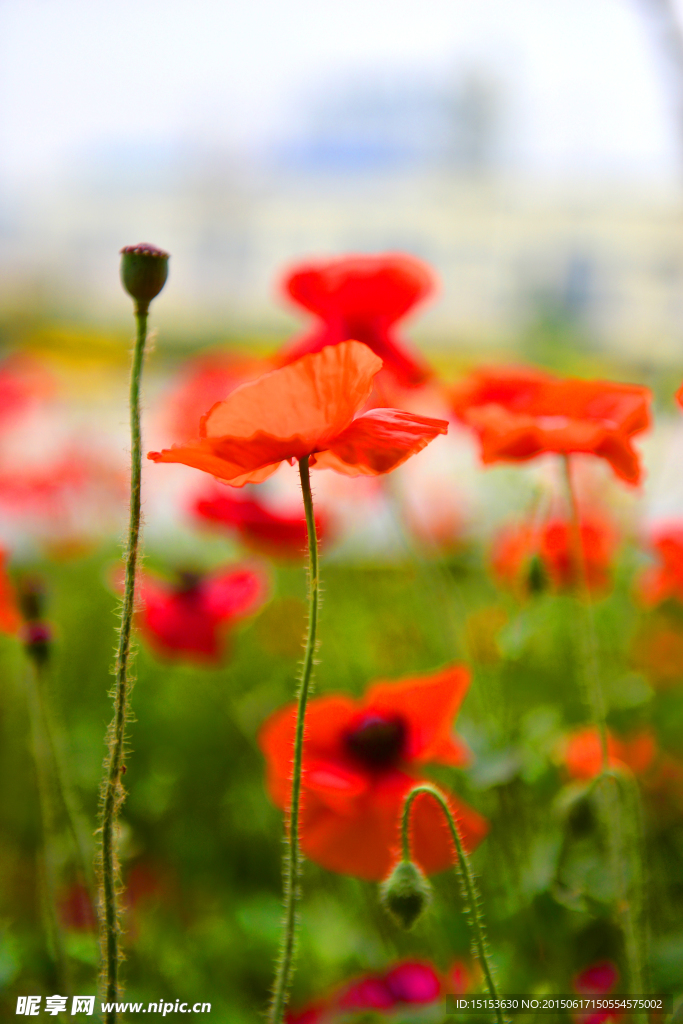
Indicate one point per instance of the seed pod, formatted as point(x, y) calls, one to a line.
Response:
point(406, 893)
point(144, 270)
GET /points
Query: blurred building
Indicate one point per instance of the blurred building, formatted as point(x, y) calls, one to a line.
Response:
point(371, 169)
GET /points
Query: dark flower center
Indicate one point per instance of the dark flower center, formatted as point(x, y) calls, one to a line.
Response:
point(189, 581)
point(377, 740)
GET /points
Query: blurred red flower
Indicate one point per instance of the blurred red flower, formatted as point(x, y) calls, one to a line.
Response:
point(306, 409)
point(409, 983)
point(275, 533)
point(202, 382)
point(582, 753)
point(75, 909)
point(552, 544)
point(189, 620)
point(10, 617)
point(664, 581)
point(362, 297)
point(519, 413)
point(597, 980)
point(360, 760)
point(22, 381)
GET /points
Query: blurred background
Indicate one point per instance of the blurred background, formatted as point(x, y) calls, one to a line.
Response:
point(532, 154)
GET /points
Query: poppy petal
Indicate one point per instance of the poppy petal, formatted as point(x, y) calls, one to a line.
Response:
point(427, 705)
point(235, 594)
point(361, 286)
point(431, 842)
point(325, 719)
point(201, 455)
point(311, 400)
point(366, 842)
point(520, 413)
point(379, 441)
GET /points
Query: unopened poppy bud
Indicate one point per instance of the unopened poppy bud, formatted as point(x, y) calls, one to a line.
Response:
point(144, 270)
point(406, 893)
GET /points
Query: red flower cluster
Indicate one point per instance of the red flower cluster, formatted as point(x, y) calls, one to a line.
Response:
point(552, 543)
point(189, 620)
point(665, 581)
point(361, 297)
point(274, 533)
point(521, 413)
point(410, 983)
point(361, 758)
point(583, 758)
point(303, 410)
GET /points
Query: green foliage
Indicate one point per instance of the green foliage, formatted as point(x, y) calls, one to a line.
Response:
point(201, 844)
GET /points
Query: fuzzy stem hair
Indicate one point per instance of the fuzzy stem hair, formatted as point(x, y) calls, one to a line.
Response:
point(112, 793)
point(292, 857)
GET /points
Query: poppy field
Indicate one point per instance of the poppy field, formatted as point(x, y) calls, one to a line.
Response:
point(381, 701)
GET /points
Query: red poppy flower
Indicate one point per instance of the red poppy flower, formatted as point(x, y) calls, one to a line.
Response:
point(552, 543)
point(360, 760)
point(362, 297)
point(275, 533)
point(583, 757)
point(10, 618)
point(665, 581)
point(306, 409)
point(189, 620)
point(520, 413)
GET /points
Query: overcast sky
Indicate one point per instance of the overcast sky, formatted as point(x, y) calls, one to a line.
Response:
point(585, 93)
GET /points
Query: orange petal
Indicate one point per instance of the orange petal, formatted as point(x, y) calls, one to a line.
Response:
point(206, 456)
point(379, 441)
point(311, 400)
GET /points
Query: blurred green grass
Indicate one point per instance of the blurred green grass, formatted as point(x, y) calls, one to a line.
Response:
point(201, 843)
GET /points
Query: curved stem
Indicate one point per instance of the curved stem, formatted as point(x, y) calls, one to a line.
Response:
point(112, 792)
point(292, 858)
point(470, 889)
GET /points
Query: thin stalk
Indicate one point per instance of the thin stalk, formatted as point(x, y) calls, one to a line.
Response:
point(292, 856)
point(74, 814)
point(471, 891)
point(608, 796)
point(48, 817)
point(589, 660)
point(112, 792)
